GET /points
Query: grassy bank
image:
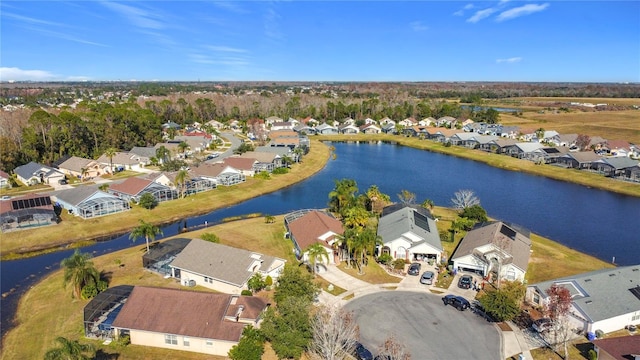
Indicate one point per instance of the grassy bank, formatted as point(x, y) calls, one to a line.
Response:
point(47, 310)
point(73, 229)
point(503, 162)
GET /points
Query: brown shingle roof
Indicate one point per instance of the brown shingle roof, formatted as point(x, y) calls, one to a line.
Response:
point(262, 157)
point(307, 229)
point(240, 163)
point(619, 348)
point(76, 164)
point(131, 186)
point(188, 313)
point(209, 170)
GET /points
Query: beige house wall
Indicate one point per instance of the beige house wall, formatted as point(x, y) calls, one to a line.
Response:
point(213, 284)
point(200, 345)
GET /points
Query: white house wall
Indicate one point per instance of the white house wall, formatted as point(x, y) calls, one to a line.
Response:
point(147, 338)
point(614, 323)
point(412, 237)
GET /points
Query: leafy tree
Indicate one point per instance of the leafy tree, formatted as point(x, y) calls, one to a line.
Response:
point(335, 333)
point(256, 283)
point(583, 141)
point(250, 346)
point(464, 198)
point(314, 252)
point(162, 153)
point(406, 197)
point(183, 146)
point(243, 148)
point(288, 327)
point(147, 231)
point(502, 304)
point(269, 219)
point(558, 309)
point(148, 201)
point(355, 216)
point(343, 195)
point(428, 204)
point(79, 271)
point(70, 350)
point(210, 237)
point(173, 165)
point(294, 283)
point(182, 177)
point(475, 212)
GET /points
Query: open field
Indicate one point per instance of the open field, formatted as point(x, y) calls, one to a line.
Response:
point(74, 229)
point(47, 310)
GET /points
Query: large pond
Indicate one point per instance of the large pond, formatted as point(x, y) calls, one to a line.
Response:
point(597, 222)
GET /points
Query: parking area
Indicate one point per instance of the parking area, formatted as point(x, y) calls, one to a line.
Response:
point(421, 322)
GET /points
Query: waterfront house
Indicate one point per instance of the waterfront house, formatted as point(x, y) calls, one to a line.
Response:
point(220, 173)
point(498, 248)
point(605, 300)
point(410, 233)
point(89, 202)
point(579, 160)
point(133, 188)
point(196, 321)
point(26, 212)
point(308, 227)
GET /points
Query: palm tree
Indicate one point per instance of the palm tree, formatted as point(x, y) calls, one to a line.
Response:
point(363, 245)
point(110, 153)
point(376, 199)
point(355, 216)
point(70, 350)
point(83, 173)
point(428, 204)
point(181, 180)
point(315, 252)
point(79, 271)
point(146, 230)
point(342, 195)
point(162, 153)
point(183, 146)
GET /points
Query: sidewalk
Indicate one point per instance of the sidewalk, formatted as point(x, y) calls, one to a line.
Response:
point(513, 344)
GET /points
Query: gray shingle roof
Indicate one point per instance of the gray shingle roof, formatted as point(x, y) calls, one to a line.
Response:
point(76, 164)
point(407, 219)
point(78, 194)
point(32, 169)
point(601, 294)
point(221, 262)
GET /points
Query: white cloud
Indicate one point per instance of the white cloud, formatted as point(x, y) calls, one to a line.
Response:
point(31, 20)
point(481, 14)
point(225, 49)
point(511, 60)
point(17, 74)
point(138, 17)
point(461, 11)
point(521, 11)
point(272, 25)
point(418, 26)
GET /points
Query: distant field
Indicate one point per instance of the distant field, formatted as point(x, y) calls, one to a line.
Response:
point(614, 101)
point(612, 125)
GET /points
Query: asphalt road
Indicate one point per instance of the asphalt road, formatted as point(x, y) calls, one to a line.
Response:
point(428, 328)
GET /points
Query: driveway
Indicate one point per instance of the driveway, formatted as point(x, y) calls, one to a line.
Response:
point(421, 322)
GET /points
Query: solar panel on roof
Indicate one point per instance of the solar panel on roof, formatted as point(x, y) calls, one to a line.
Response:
point(636, 291)
point(508, 232)
point(421, 220)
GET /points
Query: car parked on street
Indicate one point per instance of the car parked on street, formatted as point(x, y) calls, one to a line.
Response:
point(465, 282)
point(457, 302)
point(362, 353)
point(414, 269)
point(427, 278)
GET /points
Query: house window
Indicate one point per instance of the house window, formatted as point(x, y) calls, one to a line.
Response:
point(635, 317)
point(536, 298)
point(208, 342)
point(186, 342)
point(171, 339)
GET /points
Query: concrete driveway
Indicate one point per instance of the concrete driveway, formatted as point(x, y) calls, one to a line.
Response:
point(428, 328)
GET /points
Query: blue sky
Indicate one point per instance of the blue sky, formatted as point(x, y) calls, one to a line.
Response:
point(584, 41)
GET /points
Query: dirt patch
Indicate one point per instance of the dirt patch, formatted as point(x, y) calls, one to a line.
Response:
point(504, 326)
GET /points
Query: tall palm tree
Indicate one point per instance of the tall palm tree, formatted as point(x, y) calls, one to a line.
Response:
point(342, 195)
point(70, 350)
point(183, 146)
point(79, 271)
point(110, 153)
point(315, 252)
point(181, 181)
point(162, 153)
point(147, 231)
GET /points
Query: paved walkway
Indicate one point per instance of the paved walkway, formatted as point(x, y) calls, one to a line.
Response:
point(514, 342)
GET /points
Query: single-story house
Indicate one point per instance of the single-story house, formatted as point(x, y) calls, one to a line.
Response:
point(410, 233)
point(5, 183)
point(195, 321)
point(145, 152)
point(265, 161)
point(579, 160)
point(498, 248)
point(408, 122)
point(82, 168)
point(26, 212)
point(124, 161)
point(605, 300)
point(441, 134)
point(272, 119)
point(243, 164)
point(326, 129)
point(132, 188)
point(282, 125)
point(498, 146)
point(386, 120)
point(388, 128)
point(349, 129)
point(308, 227)
point(222, 268)
point(522, 150)
point(34, 173)
point(371, 128)
point(88, 202)
point(614, 166)
point(305, 129)
point(618, 348)
point(221, 173)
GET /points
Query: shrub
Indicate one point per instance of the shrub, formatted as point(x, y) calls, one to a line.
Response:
point(399, 264)
point(280, 170)
point(385, 259)
point(246, 293)
point(592, 355)
point(210, 237)
point(263, 175)
point(89, 291)
point(148, 201)
point(268, 281)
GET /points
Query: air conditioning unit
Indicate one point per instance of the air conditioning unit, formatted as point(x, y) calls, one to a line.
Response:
point(188, 282)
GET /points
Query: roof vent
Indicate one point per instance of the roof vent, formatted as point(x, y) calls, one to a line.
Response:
point(587, 280)
point(612, 275)
point(588, 302)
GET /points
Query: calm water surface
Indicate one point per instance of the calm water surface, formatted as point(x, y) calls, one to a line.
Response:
point(596, 222)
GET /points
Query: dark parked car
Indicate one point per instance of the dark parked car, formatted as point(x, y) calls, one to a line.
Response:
point(362, 353)
point(542, 325)
point(427, 278)
point(457, 302)
point(465, 282)
point(414, 269)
